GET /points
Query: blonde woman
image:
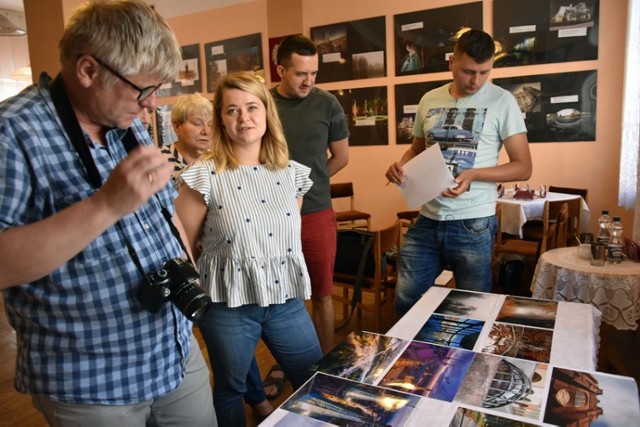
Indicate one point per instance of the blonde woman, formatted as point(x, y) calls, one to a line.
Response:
point(241, 202)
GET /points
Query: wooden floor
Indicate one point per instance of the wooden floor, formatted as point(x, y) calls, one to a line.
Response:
point(17, 410)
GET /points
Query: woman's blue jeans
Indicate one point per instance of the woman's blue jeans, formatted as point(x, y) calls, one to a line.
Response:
point(231, 336)
point(466, 246)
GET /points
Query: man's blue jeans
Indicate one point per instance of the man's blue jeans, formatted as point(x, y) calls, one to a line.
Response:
point(231, 336)
point(466, 246)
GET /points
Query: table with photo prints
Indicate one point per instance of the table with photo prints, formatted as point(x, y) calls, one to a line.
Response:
point(462, 358)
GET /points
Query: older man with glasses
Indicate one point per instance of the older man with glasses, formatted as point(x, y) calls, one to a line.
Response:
point(86, 224)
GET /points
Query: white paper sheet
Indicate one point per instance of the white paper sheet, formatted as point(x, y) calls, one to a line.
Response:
point(427, 176)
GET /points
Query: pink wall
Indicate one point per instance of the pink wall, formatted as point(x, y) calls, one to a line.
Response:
point(593, 165)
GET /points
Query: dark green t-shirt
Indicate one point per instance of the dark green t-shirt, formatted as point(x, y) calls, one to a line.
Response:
point(310, 125)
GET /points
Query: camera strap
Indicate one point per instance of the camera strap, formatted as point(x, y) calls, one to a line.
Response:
point(76, 136)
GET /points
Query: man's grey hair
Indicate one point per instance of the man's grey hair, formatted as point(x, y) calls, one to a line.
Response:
point(128, 35)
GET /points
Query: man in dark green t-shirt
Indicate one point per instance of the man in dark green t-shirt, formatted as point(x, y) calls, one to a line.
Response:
point(314, 124)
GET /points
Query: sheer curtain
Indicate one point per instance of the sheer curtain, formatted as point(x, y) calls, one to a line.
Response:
point(629, 166)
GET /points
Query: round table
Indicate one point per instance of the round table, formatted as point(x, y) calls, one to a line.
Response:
point(612, 288)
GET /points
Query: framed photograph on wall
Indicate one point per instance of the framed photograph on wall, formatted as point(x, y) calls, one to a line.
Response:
point(274, 42)
point(366, 110)
point(407, 99)
point(424, 40)
point(236, 54)
point(351, 50)
point(556, 107)
point(188, 79)
point(545, 31)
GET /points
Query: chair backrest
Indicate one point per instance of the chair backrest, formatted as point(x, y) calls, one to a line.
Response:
point(568, 190)
point(562, 222)
point(341, 190)
point(553, 211)
point(574, 224)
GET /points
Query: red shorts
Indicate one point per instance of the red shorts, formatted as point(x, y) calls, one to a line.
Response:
point(319, 248)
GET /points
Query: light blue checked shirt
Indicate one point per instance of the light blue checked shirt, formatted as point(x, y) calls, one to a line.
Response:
point(82, 336)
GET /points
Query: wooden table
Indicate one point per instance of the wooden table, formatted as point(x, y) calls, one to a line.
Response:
point(516, 212)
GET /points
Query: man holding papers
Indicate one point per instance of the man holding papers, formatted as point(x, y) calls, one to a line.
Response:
point(470, 120)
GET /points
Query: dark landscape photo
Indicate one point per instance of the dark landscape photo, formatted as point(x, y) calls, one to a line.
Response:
point(343, 402)
point(528, 312)
point(362, 356)
point(429, 370)
point(451, 331)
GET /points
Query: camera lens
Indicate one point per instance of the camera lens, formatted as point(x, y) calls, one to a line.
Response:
point(191, 301)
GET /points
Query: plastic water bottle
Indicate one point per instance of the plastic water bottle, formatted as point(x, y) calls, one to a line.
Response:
point(614, 251)
point(604, 222)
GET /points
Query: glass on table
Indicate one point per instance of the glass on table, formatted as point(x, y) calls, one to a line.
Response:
point(543, 191)
point(598, 253)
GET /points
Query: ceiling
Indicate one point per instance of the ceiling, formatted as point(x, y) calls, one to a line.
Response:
point(167, 8)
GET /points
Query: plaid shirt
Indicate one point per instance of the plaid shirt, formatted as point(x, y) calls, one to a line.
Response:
point(82, 336)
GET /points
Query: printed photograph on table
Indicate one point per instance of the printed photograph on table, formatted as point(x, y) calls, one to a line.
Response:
point(351, 50)
point(366, 111)
point(451, 331)
point(556, 107)
point(407, 99)
point(528, 312)
point(236, 54)
point(591, 398)
point(519, 341)
point(545, 31)
point(503, 385)
point(472, 305)
point(362, 356)
point(344, 402)
point(429, 370)
point(465, 417)
point(424, 40)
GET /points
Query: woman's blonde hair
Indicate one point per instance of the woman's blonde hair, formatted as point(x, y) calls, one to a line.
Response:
point(193, 102)
point(273, 150)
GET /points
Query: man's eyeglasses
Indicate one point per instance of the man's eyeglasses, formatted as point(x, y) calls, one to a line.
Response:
point(143, 93)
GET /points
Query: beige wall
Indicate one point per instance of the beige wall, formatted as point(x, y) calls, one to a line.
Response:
point(593, 165)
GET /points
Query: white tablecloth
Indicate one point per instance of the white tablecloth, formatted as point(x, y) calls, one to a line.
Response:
point(576, 337)
point(515, 212)
point(612, 288)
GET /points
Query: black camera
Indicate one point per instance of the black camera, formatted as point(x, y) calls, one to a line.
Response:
point(175, 281)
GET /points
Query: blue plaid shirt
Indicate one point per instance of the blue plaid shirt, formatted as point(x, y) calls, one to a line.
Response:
point(82, 336)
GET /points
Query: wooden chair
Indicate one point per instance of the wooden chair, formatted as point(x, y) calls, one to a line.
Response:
point(575, 224)
point(555, 217)
point(350, 218)
point(406, 218)
point(379, 285)
point(533, 230)
point(568, 190)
